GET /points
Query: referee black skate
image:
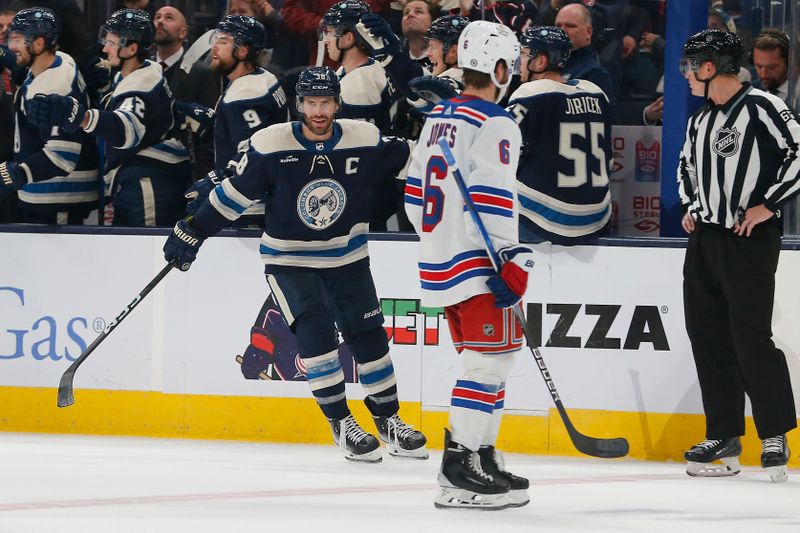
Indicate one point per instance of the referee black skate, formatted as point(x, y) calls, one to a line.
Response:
point(738, 166)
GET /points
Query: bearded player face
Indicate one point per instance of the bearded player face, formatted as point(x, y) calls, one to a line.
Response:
point(319, 113)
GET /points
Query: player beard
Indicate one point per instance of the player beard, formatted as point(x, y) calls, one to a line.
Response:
point(320, 124)
point(223, 68)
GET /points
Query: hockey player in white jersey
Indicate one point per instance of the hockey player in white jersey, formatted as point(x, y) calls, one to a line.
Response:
point(316, 176)
point(455, 270)
point(566, 156)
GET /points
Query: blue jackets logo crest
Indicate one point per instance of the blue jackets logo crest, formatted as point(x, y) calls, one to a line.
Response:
point(320, 203)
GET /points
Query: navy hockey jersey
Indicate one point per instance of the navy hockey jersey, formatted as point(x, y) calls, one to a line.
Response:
point(61, 169)
point(251, 103)
point(136, 122)
point(317, 193)
point(367, 94)
point(566, 159)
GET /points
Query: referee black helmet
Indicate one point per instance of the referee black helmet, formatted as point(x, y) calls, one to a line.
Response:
point(722, 48)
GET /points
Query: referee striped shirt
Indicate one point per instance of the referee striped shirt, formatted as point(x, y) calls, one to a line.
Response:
point(739, 155)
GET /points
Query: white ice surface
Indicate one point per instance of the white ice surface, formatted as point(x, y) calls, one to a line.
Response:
point(87, 484)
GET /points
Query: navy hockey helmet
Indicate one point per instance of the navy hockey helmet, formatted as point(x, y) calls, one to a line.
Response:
point(722, 48)
point(131, 26)
point(245, 31)
point(549, 40)
point(36, 22)
point(317, 81)
point(343, 16)
point(447, 30)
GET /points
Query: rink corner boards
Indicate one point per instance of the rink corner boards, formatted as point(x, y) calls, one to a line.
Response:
point(652, 436)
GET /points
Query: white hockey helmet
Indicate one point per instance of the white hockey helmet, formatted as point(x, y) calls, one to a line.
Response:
point(482, 44)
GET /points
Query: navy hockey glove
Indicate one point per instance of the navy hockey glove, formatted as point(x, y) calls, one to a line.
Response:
point(97, 75)
point(11, 178)
point(183, 244)
point(378, 35)
point(56, 110)
point(434, 89)
point(198, 193)
point(199, 118)
point(510, 284)
point(202, 114)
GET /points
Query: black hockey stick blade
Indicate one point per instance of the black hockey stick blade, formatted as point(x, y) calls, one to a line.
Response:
point(612, 448)
point(66, 395)
point(593, 446)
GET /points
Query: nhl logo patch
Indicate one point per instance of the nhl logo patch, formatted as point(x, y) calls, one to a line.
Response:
point(488, 329)
point(726, 142)
point(320, 203)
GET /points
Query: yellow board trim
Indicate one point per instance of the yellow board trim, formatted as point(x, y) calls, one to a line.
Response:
point(652, 436)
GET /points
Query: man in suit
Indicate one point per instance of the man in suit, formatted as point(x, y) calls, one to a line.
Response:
point(171, 32)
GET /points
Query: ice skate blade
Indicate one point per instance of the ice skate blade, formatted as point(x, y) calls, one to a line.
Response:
point(395, 451)
point(729, 467)
point(455, 498)
point(370, 457)
point(778, 474)
point(519, 498)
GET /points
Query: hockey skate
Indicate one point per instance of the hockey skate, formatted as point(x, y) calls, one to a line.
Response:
point(774, 456)
point(465, 485)
point(493, 463)
point(401, 439)
point(355, 443)
point(701, 457)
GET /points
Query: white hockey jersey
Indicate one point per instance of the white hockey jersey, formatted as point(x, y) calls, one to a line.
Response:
point(485, 141)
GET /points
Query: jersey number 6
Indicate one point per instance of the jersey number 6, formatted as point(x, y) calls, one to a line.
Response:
point(434, 196)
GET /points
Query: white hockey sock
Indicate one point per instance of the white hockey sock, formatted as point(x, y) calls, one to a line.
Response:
point(497, 416)
point(475, 397)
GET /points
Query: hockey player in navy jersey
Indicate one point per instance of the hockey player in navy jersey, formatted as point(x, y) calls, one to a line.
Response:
point(316, 176)
point(146, 170)
point(566, 157)
point(351, 35)
point(455, 270)
point(252, 101)
point(367, 92)
point(54, 171)
point(446, 78)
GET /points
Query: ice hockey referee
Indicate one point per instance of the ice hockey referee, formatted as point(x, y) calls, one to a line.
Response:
point(738, 166)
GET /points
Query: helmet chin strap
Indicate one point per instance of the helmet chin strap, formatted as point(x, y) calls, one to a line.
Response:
point(502, 87)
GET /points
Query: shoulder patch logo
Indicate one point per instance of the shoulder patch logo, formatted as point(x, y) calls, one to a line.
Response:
point(726, 142)
point(320, 203)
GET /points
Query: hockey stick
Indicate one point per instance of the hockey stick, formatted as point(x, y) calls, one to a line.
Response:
point(609, 448)
point(65, 393)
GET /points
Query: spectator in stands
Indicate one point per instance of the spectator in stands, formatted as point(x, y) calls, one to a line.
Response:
point(171, 32)
point(516, 14)
point(417, 18)
point(576, 20)
point(771, 60)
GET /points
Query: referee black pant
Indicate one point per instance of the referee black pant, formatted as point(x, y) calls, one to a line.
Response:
point(728, 293)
